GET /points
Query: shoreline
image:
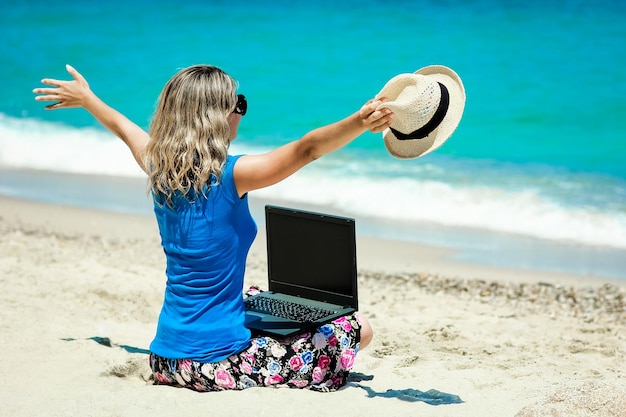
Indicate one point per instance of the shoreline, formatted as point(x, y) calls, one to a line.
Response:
point(374, 254)
point(502, 340)
point(481, 253)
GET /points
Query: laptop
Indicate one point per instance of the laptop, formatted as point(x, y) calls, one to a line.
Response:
point(312, 276)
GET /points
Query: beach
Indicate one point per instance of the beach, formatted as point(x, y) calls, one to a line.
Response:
point(492, 270)
point(81, 289)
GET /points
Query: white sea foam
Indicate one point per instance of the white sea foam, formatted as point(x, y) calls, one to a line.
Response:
point(27, 143)
point(385, 189)
point(482, 207)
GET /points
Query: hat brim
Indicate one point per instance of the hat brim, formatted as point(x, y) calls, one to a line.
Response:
point(413, 148)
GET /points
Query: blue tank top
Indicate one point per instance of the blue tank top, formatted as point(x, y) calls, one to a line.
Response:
point(206, 241)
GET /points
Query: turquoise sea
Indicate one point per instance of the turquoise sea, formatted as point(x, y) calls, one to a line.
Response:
point(535, 175)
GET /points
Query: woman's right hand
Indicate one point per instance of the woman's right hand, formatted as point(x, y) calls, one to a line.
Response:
point(372, 118)
point(67, 94)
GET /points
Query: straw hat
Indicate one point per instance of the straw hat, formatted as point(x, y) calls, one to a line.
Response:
point(427, 106)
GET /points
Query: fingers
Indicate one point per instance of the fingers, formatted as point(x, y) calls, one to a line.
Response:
point(66, 93)
point(52, 82)
point(373, 119)
point(48, 94)
point(58, 83)
point(382, 123)
point(75, 74)
point(46, 91)
point(53, 106)
point(369, 107)
point(48, 97)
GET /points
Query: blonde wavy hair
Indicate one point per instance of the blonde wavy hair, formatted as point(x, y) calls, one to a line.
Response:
point(189, 133)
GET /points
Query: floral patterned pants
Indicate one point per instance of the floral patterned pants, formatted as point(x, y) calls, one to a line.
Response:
point(319, 360)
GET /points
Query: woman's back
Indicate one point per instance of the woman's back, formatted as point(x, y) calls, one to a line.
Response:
point(206, 241)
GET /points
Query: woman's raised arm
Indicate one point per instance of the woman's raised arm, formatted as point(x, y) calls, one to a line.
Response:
point(258, 171)
point(76, 93)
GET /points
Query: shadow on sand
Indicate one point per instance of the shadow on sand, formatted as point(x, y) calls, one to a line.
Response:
point(432, 396)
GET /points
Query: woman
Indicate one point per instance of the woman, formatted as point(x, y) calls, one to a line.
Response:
point(200, 201)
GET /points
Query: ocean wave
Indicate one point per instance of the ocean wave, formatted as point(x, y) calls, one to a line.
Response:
point(522, 212)
point(447, 192)
point(35, 144)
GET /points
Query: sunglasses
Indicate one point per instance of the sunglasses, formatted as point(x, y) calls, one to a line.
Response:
point(242, 105)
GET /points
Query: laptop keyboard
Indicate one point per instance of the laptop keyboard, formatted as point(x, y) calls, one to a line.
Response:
point(286, 309)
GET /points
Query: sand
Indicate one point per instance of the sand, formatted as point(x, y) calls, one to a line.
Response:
point(80, 292)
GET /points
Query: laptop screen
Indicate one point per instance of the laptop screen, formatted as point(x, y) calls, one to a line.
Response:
point(311, 255)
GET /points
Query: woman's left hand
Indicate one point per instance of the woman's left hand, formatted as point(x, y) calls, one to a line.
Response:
point(375, 120)
point(67, 94)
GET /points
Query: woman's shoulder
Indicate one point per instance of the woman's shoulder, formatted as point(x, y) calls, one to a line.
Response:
point(231, 160)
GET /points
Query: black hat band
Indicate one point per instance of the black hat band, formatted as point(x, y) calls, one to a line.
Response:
point(433, 123)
